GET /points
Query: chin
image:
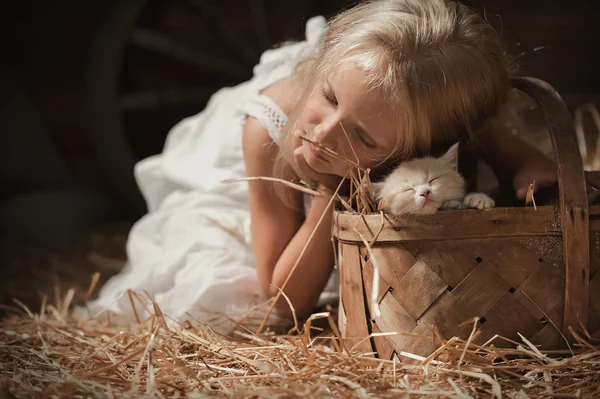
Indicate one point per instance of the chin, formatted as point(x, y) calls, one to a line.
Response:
point(316, 164)
point(428, 209)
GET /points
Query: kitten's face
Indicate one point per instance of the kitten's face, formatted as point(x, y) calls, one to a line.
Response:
point(422, 185)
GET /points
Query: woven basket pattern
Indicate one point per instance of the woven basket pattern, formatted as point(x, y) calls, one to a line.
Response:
point(509, 285)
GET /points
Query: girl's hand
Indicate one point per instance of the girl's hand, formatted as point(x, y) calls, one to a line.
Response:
point(514, 159)
point(330, 182)
point(539, 168)
point(547, 175)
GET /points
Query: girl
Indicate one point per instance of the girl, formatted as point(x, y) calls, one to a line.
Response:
point(381, 82)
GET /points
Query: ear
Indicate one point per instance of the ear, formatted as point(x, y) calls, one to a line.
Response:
point(450, 158)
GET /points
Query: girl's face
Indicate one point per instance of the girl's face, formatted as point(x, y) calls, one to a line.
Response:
point(342, 102)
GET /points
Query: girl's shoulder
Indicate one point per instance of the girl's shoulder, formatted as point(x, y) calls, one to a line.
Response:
point(284, 92)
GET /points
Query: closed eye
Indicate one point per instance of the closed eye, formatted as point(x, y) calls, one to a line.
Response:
point(434, 179)
point(363, 140)
point(330, 97)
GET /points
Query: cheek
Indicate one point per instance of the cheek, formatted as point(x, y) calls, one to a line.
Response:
point(364, 161)
point(448, 188)
point(366, 158)
point(344, 149)
point(400, 200)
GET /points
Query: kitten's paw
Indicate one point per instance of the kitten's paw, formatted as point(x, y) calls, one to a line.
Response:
point(478, 200)
point(452, 204)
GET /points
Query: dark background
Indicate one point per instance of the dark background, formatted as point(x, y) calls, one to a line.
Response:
point(90, 87)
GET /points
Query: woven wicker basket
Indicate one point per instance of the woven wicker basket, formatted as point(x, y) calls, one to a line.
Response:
point(517, 270)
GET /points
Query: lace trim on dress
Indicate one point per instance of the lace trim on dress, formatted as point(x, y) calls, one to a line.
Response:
point(268, 114)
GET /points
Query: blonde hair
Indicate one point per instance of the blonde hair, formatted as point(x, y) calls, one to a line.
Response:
point(441, 67)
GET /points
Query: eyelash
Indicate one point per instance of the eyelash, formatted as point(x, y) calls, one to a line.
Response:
point(329, 97)
point(333, 101)
point(363, 141)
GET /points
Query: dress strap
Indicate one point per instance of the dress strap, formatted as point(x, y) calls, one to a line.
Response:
point(268, 114)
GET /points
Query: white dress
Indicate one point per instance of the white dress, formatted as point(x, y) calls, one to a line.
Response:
point(192, 251)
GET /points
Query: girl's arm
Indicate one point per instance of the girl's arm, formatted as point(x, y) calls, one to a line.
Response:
point(279, 233)
point(514, 160)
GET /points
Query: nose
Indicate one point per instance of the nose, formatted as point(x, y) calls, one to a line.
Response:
point(326, 133)
point(425, 193)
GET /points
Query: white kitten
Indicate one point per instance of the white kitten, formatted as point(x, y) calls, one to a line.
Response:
point(423, 185)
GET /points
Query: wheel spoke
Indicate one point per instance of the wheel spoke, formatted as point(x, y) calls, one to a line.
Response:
point(155, 99)
point(166, 47)
point(245, 51)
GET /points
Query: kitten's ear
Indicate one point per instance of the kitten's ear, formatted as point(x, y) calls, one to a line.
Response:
point(450, 158)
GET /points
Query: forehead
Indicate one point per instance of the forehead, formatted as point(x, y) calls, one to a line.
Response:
point(365, 104)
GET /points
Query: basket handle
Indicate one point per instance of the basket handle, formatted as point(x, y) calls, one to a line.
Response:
point(574, 214)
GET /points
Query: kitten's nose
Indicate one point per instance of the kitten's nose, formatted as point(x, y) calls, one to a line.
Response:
point(425, 193)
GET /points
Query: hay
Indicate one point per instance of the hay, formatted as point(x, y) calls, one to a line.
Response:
point(52, 354)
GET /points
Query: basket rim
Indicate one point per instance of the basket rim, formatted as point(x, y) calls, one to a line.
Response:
point(453, 224)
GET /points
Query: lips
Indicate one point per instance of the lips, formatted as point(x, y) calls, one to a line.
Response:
point(315, 151)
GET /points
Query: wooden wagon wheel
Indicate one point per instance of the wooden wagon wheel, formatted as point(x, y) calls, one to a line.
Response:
point(153, 63)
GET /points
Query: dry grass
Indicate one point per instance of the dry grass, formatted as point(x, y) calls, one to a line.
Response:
point(52, 354)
